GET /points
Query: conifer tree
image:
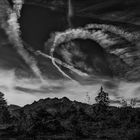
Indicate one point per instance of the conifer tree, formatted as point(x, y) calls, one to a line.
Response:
point(3, 102)
point(4, 113)
point(102, 98)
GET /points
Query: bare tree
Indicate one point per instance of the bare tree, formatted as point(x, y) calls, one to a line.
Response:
point(133, 102)
point(88, 98)
point(124, 103)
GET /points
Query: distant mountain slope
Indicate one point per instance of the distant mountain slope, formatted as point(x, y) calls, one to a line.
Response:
point(65, 119)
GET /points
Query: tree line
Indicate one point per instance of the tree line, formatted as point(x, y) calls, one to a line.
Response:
point(65, 118)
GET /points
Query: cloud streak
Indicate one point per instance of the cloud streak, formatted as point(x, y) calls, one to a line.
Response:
point(11, 27)
point(25, 91)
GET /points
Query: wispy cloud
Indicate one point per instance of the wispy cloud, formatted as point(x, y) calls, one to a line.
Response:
point(24, 91)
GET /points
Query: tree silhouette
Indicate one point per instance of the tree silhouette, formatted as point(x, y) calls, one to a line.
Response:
point(124, 103)
point(3, 102)
point(133, 102)
point(102, 99)
point(4, 113)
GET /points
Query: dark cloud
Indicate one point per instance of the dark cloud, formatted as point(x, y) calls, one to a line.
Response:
point(42, 90)
point(115, 102)
point(137, 91)
point(138, 101)
point(85, 55)
point(110, 85)
point(36, 29)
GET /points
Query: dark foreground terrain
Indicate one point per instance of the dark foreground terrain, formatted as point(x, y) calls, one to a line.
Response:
point(65, 119)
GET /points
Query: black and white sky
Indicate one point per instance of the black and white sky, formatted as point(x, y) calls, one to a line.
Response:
point(56, 48)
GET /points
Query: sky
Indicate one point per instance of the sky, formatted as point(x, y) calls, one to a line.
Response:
point(26, 91)
point(81, 67)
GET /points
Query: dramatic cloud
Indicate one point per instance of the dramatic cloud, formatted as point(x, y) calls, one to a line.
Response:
point(77, 63)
